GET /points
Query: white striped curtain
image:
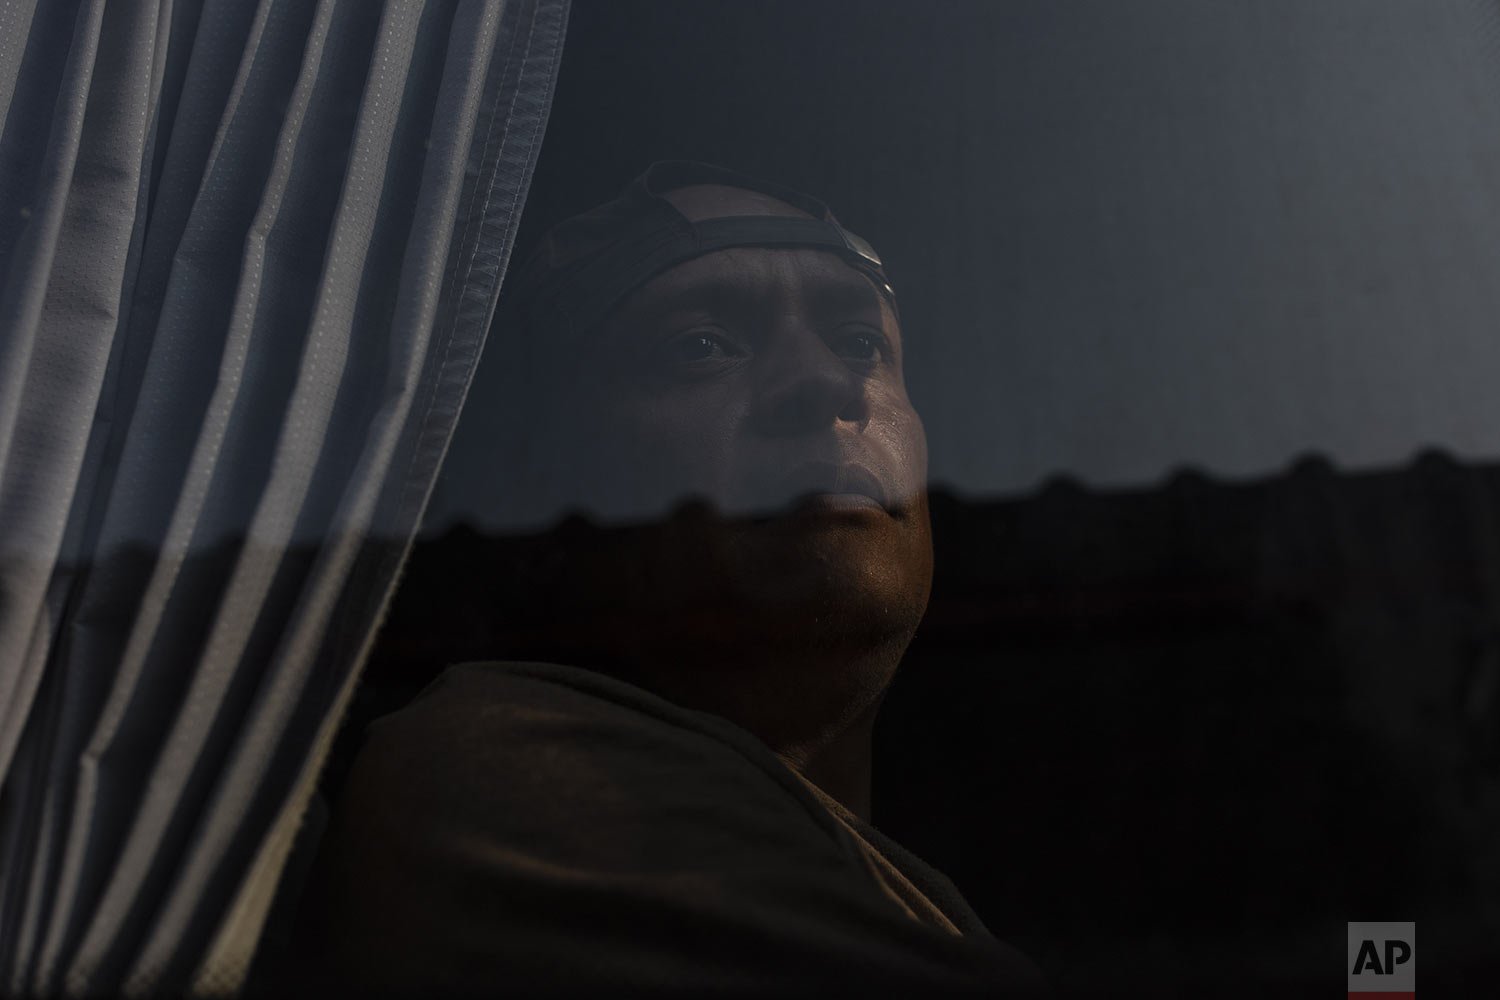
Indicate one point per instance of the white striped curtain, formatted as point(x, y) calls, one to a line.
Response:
point(249, 252)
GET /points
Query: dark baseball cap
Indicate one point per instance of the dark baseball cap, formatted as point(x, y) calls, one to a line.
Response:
point(585, 266)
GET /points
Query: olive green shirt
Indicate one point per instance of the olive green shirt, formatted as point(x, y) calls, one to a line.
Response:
point(546, 829)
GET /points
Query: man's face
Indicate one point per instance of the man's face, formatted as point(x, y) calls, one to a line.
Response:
point(767, 384)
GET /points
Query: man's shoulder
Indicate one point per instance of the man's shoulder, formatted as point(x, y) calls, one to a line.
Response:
point(538, 825)
point(548, 715)
point(551, 754)
point(536, 696)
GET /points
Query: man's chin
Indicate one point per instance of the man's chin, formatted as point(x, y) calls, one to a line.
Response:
point(861, 568)
point(831, 561)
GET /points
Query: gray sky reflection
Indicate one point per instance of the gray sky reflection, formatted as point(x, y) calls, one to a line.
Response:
point(1163, 234)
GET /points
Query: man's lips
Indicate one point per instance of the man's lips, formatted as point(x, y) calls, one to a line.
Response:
point(833, 486)
point(836, 503)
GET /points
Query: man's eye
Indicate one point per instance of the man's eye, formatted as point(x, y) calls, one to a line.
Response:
point(697, 346)
point(861, 345)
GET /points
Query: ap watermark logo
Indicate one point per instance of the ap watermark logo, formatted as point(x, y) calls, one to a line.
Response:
point(1382, 961)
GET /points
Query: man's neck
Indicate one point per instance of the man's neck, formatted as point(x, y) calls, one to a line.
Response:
point(842, 766)
point(823, 731)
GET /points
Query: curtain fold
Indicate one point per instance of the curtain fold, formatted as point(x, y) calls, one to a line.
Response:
point(248, 273)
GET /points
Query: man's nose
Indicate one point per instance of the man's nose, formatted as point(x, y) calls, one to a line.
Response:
point(805, 386)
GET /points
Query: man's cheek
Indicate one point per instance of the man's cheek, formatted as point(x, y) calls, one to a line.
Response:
point(657, 469)
point(904, 451)
point(691, 446)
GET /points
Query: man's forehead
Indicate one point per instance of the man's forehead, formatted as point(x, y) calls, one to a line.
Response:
point(745, 277)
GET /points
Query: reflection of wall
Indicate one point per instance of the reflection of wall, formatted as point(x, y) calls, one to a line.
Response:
point(1126, 235)
point(1154, 733)
point(1205, 725)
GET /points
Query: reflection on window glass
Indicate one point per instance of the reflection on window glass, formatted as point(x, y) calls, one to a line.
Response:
point(930, 499)
point(1195, 310)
